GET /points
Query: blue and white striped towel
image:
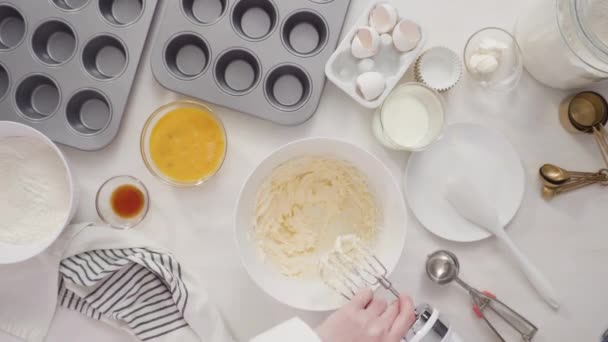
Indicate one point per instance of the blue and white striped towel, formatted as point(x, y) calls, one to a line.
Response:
point(137, 286)
point(120, 278)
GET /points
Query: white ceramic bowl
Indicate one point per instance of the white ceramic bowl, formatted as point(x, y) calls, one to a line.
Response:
point(16, 253)
point(314, 295)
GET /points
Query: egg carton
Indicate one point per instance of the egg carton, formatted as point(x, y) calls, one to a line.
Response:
point(343, 68)
point(67, 66)
point(261, 57)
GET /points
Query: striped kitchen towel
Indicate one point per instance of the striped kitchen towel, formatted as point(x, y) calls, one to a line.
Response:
point(137, 287)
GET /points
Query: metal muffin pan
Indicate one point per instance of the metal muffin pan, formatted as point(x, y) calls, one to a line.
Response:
point(67, 66)
point(262, 57)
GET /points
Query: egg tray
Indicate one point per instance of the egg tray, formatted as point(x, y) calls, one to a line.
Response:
point(67, 66)
point(261, 57)
point(342, 68)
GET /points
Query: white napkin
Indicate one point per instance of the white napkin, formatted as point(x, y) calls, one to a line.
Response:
point(29, 290)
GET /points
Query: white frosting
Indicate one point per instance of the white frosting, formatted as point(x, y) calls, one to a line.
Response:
point(487, 56)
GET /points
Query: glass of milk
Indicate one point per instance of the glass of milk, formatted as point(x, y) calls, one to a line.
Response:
point(411, 118)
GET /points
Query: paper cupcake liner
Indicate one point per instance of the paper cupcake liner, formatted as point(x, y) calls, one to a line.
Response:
point(429, 60)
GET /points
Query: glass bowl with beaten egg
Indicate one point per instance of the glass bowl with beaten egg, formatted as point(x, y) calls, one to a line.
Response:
point(183, 143)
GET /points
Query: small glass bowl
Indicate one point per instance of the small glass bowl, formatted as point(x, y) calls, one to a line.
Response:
point(147, 131)
point(103, 202)
point(436, 117)
point(510, 66)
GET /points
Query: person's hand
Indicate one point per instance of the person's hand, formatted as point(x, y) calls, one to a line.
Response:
point(367, 318)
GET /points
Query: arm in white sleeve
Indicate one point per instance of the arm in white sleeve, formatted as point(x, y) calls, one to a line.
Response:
point(294, 330)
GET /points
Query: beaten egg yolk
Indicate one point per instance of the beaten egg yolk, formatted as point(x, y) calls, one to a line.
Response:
point(187, 144)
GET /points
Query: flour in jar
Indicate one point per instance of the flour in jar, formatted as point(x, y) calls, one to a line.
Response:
point(35, 196)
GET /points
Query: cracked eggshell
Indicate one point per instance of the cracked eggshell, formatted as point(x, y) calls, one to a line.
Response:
point(366, 43)
point(406, 35)
point(370, 85)
point(383, 18)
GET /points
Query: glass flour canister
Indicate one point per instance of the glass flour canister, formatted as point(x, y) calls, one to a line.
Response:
point(564, 43)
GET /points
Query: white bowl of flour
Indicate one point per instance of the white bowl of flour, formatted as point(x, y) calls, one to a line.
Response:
point(37, 197)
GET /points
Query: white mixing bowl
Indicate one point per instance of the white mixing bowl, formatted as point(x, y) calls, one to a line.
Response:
point(314, 295)
point(15, 253)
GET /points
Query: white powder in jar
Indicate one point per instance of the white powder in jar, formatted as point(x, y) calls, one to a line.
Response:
point(553, 54)
point(35, 196)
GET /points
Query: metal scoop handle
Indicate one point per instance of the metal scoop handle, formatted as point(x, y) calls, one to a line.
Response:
point(485, 306)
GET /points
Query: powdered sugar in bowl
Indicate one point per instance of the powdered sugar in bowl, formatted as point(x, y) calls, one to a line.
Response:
point(37, 198)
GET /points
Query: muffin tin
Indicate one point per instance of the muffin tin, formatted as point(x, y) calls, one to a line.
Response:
point(261, 57)
point(67, 66)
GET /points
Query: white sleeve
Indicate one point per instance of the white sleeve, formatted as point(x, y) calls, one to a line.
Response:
point(294, 330)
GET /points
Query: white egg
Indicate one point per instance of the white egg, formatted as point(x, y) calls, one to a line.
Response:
point(366, 43)
point(371, 85)
point(483, 63)
point(383, 18)
point(406, 35)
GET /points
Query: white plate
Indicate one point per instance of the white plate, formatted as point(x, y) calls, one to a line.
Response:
point(483, 155)
point(314, 295)
point(16, 253)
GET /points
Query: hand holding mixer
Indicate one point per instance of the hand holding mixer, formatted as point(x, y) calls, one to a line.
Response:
point(351, 266)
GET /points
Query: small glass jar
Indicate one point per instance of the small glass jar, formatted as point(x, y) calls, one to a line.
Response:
point(564, 43)
point(508, 65)
point(411, 118)
point(104, 202)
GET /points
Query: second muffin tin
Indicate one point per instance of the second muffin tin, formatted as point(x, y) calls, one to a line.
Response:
point(261, 57)
point(67, 66)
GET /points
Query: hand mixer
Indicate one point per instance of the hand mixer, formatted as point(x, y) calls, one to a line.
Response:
point(351, 266)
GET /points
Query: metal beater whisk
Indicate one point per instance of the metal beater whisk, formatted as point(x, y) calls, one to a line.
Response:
point(351, 266)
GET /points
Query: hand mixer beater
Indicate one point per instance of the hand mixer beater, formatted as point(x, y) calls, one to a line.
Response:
point(351, 266)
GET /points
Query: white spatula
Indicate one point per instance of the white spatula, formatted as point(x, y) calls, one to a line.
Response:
point(465, 198)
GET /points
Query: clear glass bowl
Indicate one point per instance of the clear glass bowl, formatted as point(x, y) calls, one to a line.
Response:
point(103, 202)
point(147, 131)
point(510, 62)
point(435, 106)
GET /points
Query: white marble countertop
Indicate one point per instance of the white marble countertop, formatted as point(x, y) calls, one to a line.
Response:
point(566, 238)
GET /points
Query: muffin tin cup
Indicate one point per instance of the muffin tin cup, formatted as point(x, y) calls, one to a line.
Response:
point(70, 5)
point(121, 12)
point(261, 57)
point(89, 111)
point(237, 71)
point(12, 27)
point(38, 97)
point(105, 57)
point(5, 82)
point(54, 42)
point(288, 87)
point(304, 33)
point(187, 55)
point(204, 12)
point(70, 71)
point(254, 19)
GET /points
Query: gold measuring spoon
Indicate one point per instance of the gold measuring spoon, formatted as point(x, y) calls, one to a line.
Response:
point(553, 175)
point(587, 112)
point(551, 190)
